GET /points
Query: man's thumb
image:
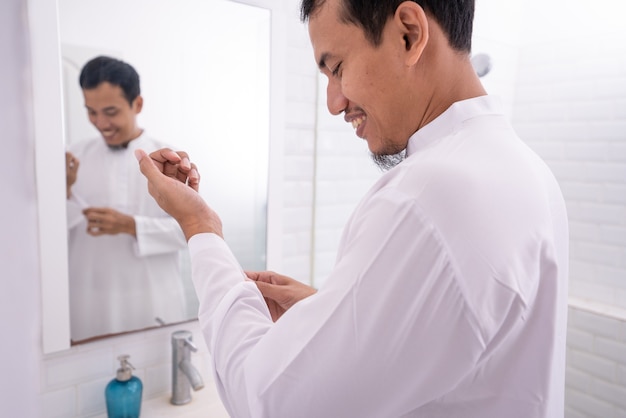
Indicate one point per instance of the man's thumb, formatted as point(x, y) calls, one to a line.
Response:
point(268, 290)
point(146, 165)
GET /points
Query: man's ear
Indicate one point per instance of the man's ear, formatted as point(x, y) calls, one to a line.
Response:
point(138, 104)
point(414, 25)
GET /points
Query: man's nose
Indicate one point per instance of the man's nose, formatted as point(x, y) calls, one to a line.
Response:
point(335, 100)
point(101, 121)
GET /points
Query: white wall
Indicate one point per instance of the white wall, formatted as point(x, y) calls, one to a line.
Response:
point(20, 309)
point(497, 34)
point(298, 151)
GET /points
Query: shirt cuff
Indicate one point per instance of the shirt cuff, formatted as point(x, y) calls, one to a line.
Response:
point(204, 241)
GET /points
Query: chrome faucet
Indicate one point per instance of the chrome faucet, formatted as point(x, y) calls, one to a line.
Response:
point(184, 375)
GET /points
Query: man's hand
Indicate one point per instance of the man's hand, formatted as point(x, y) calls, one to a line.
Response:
point(71, 172)
point(107, 221)
point(175, 165)
point(173, 182)
point(280, 292)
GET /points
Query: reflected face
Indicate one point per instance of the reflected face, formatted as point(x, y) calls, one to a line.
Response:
point(111, 114)
point(365, 82)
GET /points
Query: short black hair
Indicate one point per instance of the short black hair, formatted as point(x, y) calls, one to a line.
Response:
point(114, 71)
point(455, 17)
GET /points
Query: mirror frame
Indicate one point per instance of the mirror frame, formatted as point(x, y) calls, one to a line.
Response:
point(50, 158)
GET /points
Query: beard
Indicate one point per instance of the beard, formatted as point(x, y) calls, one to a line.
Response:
point(386, 162)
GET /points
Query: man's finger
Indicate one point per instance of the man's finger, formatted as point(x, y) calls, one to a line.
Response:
point(165, 155)
point(193, 179)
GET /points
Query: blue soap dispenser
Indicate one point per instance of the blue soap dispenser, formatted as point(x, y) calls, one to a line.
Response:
point(123, 394)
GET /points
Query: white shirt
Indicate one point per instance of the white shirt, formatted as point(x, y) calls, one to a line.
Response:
point(448, 297)
point(118, 282)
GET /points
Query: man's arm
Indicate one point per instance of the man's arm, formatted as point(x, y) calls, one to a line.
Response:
point(388, 333)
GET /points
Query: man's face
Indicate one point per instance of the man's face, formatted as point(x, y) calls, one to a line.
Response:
point(111, 114)
point(367, 83)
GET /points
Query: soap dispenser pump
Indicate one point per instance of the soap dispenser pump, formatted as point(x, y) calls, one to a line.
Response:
point(123, 394)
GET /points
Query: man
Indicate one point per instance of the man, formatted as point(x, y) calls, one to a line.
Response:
point(448, 297)
point(123, 249)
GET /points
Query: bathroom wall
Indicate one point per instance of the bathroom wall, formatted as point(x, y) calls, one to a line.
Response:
point(595, 381)
point(298, 149)
point(73, 381)
point(20, 309)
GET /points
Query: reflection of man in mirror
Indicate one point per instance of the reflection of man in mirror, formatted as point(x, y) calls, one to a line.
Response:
point(124, 266)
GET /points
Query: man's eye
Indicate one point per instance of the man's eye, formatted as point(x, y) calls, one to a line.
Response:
point(335, 71)
point(111, 113)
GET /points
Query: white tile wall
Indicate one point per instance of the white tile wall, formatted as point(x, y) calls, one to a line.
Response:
point(299, 150)
point(73, 381)
point(596, 365)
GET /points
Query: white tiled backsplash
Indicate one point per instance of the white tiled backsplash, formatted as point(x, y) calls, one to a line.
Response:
point(73, 381)
point(596, 366)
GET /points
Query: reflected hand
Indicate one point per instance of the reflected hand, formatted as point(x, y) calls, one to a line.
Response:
point(107, 221)
point(173, 183)
point(71, 171)
point(280, 292)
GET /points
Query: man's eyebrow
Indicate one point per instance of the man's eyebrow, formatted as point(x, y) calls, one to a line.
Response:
point(106, 109)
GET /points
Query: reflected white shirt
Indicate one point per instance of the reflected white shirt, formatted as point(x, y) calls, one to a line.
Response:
point(121, 282)
point(448, 297)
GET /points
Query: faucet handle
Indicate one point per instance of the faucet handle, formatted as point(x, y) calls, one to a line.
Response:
point(190, 344)
point(182, 339)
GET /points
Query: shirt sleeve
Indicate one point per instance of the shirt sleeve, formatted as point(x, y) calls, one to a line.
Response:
point(74, 210)
point(158, 235)
point(389, 332)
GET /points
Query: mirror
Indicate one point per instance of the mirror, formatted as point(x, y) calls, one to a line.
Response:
point(204, 71)
point(205, 75)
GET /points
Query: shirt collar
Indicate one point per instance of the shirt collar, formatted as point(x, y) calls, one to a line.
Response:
point(450, 120)
point(130, 145)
